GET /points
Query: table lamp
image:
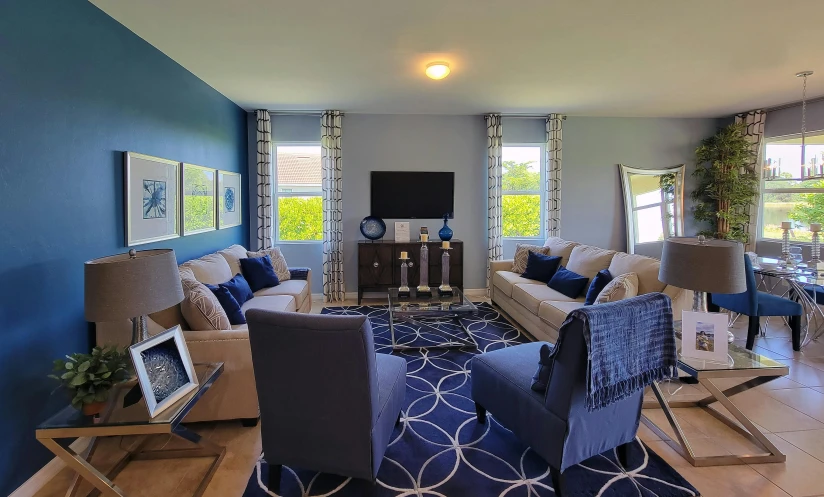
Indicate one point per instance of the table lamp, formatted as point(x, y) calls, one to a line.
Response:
point(132, 285)
point(702, 265)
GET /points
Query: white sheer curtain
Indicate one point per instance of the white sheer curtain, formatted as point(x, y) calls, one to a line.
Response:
point(264, 180)
point(334, 289)
point(754, 133)
point(552, 187)
point(494, 134)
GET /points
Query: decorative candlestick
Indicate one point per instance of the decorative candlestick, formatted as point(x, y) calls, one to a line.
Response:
point(786, 226)
point(423, 270)
point(445, 289)
point(403, 291)
point(815, 228)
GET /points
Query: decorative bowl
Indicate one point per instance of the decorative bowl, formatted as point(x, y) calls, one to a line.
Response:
point(373, 227)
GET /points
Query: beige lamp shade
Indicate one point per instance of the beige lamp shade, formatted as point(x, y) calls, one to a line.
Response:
point(124, 286)
point(712, 266)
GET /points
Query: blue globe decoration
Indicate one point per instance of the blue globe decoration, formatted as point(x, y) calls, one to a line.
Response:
point(229, 199)
point(373, 227)
point(446, 232)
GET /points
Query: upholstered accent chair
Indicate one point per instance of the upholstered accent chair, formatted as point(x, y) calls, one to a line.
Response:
point(757, 304)
point(555, 424)
point(328, 402)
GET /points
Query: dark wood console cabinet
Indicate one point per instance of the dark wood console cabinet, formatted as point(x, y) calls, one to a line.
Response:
point(379, 265)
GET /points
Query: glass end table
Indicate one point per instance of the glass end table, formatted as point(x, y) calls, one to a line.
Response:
point(430, 321)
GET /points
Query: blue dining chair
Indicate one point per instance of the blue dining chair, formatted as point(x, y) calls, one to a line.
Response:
point(756, 305)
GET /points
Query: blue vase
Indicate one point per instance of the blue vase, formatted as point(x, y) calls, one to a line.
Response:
point(446, 232)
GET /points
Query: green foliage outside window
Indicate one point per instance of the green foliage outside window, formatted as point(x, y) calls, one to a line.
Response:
point(517, 177)
point(521, 213)
point(300, 218)
point(199, 212)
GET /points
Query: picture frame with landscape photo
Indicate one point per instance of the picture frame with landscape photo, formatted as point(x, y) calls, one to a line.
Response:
point(151, 199)
point(199, 199)
point(230, 205)
point(704, 336)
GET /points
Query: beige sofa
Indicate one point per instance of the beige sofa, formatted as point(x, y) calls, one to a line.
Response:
point(542, 310)
point(233, 396)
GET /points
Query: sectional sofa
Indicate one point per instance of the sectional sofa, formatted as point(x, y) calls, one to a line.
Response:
point(542, 310)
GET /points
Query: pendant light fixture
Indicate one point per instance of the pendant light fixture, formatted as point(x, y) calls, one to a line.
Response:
point(804, 74)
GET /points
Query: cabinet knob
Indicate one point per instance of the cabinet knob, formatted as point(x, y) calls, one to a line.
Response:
point(411, 263)
point(375, 264)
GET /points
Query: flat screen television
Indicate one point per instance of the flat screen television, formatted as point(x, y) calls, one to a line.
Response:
point(413, 195)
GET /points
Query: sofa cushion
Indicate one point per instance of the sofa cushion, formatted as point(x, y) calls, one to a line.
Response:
point(587, 260)
point(531, 295)
point(522, 250)
point(541, 267)
point(239, 288)
point(229, 303)
point(211, 269)
point(560, 247)
point(200, 307)
point(283, 303)
point(555, 313)
point(621, 287)
point(259, 272)
point(505, 281)
point(233, 255)
point(278, 262)
point(599, 282)
point(299, 289)
point(570, 283)
point(645, 267)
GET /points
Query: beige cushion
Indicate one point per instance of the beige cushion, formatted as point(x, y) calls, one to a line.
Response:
point(522, 251)
point(531, 295)
point(200, 307)
point(560, 247)
point(278, 261)
point(210, 269)
point(555, 313)
point(587, 260)
point(233, 255)
point(296, 288)
point(506, 281)
point(645, 267)
point(621, 287)
point(284, 303)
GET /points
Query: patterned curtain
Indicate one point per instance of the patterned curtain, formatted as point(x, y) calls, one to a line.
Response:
point(754, 133)
point(334, 289)
point(494, 133)
point(264, 180)
point(552, 188)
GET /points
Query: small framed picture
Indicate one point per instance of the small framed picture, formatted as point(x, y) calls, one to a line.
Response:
point(704, 335)
point(151, 196)
point(230, 205)
point(199, 204)
point(402, 231)
point(164, 369)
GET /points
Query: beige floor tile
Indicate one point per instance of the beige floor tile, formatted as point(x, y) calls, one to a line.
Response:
point(646, 434)
point(780, 384)
point(810, 441)
point(805, 400)
point(814, 362)
point(773, 415)
point(658, 417)
point(719, 432)
point(804, 374)
point(801, 476)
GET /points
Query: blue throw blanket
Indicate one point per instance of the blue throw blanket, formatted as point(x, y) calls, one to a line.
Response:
point(631, 344)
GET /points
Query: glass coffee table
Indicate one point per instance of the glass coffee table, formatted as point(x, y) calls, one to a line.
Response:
point(741, 363)
point(424, 322)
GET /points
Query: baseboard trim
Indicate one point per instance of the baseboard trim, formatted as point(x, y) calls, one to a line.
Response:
point(47, 472)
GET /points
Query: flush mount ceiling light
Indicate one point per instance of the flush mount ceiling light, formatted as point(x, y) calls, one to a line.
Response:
point(437, 70)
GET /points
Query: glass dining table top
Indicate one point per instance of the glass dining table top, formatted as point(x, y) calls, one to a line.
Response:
point(801, 273)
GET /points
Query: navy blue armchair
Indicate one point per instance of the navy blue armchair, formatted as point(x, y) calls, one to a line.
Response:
point(328, 403)
point(756, 305)
point(557, 424)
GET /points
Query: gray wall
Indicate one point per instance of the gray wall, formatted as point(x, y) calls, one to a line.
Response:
point(417, 143)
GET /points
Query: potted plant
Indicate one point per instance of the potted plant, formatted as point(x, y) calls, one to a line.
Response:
point(727, 183)
point(90, 377)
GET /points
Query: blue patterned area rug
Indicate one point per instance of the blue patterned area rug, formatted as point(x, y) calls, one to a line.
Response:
point(440, 450)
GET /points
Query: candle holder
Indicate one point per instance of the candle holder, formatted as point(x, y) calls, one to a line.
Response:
point(815, 260)
point(445, 289)
point(785, 245)
point(423, 270)
point(403, 291)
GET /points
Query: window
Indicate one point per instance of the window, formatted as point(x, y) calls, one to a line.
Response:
point(298, 191)
point(522, 193)
point(788, 197)
point(653, 206)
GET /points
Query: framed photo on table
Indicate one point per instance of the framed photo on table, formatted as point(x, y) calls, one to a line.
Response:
point(151, 198)
point(199, 199)
point(704, 335)
point(230, 205)
point(164, 369)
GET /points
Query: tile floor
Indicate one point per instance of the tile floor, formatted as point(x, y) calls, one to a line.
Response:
point(790, 410)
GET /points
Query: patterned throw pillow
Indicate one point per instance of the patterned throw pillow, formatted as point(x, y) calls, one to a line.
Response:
point(200, 307)
point(278, 262)
point(621, 287)
point(522, 251)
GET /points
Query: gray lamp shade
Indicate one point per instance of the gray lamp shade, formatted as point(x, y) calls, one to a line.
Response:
point(121, 286)
point(712, 266)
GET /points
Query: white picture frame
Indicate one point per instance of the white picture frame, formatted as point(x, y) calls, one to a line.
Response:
point(229, 199)
point(163, 387)
point(199, 186)
point(402, 231)
point(704, 336)
point(151, 198)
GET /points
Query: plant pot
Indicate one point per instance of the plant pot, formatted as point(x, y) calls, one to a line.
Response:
point(94, 408)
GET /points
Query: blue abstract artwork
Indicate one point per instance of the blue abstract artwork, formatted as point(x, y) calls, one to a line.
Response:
point(164, 368)
point(154, 199)
point(229, 199)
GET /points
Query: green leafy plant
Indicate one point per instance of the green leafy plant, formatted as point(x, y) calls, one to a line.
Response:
point(89, 377)
point(727, 183)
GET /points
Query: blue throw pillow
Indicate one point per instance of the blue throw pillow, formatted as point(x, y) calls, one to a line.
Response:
point(239, 288)
point(229, 303)
point(568, 283)
point(541, 267)
point(541, 378)
point(259, 272)
point(600, 280)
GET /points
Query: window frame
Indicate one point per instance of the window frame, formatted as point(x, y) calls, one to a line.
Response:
point(276, 195)
point(762, 190)
point(541, 190)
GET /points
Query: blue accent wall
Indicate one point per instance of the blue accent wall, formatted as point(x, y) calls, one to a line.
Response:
point(77, 89)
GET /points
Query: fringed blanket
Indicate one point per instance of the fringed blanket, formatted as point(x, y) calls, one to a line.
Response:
point(631, 344)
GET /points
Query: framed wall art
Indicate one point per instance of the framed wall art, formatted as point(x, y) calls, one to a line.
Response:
point(230, 205)
point(151, 197)
point(164, 369)
point(199, 203)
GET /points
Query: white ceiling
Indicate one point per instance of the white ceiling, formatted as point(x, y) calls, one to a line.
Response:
point(676, 58)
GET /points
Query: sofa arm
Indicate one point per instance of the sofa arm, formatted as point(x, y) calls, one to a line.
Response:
point(681, 300)
point(505, 265)
point(300, 273)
